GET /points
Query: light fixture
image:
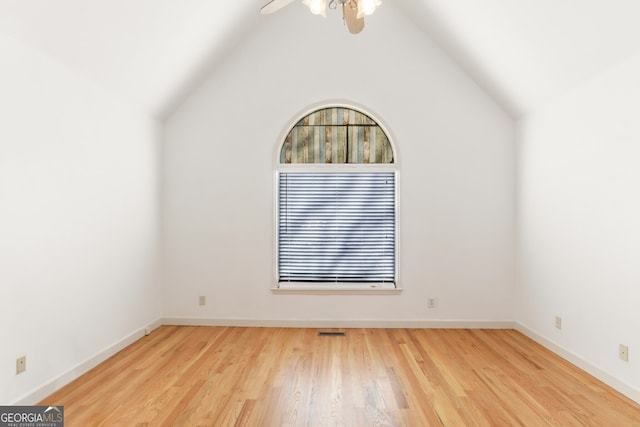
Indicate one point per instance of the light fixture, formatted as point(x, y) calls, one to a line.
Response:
point(367, 7)
point(353, 11)
point(363, 7)
point(317, 7)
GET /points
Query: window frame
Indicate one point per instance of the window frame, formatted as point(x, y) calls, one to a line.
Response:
point(279, 168)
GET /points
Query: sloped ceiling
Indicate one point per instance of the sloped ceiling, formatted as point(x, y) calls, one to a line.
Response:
point(154, 52)
point(151, 52)
point(525, 52)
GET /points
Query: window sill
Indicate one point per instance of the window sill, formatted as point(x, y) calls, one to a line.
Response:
point(354, 288)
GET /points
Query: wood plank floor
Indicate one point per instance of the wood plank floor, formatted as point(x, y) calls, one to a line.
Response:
point(222, 376)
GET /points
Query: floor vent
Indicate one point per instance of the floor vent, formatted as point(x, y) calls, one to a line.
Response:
point(332, 334)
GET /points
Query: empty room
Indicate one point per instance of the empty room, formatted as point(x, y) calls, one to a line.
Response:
point(309, 212)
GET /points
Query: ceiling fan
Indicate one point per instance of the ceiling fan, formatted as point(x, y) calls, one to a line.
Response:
point(353, 11)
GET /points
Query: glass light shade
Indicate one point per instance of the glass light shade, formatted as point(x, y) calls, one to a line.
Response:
point(317, 7)
point(367, 7)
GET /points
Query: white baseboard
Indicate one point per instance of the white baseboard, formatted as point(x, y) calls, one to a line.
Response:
point(629, 391)
point(57, 383)
point(326, 323)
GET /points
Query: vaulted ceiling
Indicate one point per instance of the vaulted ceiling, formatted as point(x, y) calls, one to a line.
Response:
point(154, 52)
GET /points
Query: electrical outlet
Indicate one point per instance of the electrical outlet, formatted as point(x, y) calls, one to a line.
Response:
point(21, 364)
point(202, 300)
point(624, 353)
point(558, 322)
point(431, 302)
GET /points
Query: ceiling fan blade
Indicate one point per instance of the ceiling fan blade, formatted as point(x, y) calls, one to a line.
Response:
point(354, 23)
point(274, 6)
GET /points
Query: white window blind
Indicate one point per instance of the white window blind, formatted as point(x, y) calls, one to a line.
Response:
point(336, 227)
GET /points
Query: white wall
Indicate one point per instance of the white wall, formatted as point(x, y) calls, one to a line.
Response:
point(78, 226)
point(579, 224)
point(456, 152)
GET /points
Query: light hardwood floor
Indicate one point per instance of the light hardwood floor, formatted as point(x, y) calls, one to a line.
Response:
point(221, 376)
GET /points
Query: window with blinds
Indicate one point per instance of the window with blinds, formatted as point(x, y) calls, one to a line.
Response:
point(336, 203)
point(337, 227)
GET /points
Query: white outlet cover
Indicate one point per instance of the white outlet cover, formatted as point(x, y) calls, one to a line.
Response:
point(21, 364)
point(624, 353)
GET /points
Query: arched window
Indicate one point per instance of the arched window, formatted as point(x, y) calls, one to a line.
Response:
point(336, 203)
point(336, 135)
